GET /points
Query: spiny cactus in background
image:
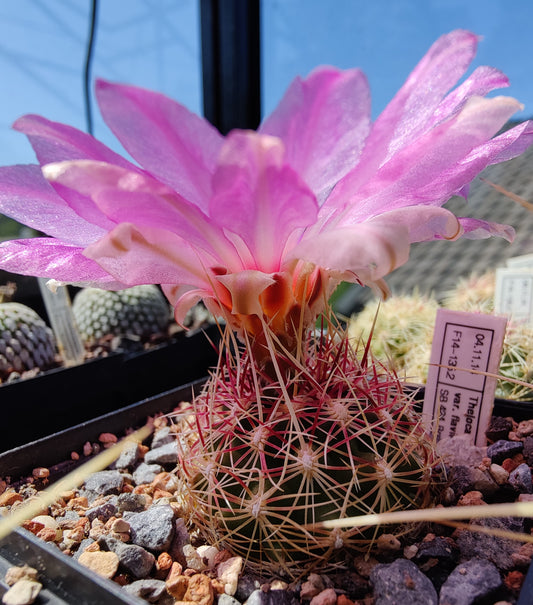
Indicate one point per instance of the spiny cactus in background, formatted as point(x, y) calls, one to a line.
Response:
point(403, 333)
point(517, 363)
point(264, 459)
point(140, 311)
point(474, 293)
point(401, 323)
point(26, 342)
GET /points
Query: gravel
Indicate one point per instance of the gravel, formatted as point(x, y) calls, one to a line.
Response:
point(134, 511)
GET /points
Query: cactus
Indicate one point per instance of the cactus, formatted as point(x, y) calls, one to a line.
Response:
point(399, 324)
point(26, 342)
point(140, 311)
point(474, 293)
point(265, 457)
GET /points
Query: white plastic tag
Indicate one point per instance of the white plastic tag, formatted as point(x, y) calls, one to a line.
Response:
point(514, 294)
point(458, 401)
point(521, 262)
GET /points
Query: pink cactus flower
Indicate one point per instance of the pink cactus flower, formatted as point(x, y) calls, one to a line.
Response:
point(262, 225)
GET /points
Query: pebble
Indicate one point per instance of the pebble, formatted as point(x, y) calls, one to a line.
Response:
point(228, 573)
point(520, 479)
point(470, 581)
point(129, 457)
point(226, 599)
point(150, 590)
point(327, 597)
point(499, 474)
point(134, 503)
point(528, 450)
point(146, 473)
point(103, 511)
point(152, 528)
point(272, 597)
point(402, 582)
point(134, 559)
point(163, 436)
point(311, 587)
point(499, 428)
point(24, 572)
point(23, 592)
point(104, 563)
point(503, 449)
point(103, 483)
point(164, 454)
point(192, 559)
point(524, 429)
point(497, 550)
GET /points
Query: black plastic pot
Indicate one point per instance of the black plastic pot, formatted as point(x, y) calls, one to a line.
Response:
point(66, 397)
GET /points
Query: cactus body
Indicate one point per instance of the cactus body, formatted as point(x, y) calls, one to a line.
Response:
point(139, 311)
point(265, 460)
point(26, 342)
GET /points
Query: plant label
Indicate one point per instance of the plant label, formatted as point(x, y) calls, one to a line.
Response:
point(459, 395)
point(514, 294)
point(521, 262)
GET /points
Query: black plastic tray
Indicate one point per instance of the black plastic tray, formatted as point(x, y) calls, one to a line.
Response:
point(62, 398)
point(65, 582)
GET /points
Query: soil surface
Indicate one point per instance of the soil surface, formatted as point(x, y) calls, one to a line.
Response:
point(128, 524)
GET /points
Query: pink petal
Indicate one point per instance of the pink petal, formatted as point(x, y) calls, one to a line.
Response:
point(483, 80)
point(27, 197)
point(47, 257)
point(259, 197)
point(182, 298)
point(245, 288)
point(173, 144)
point(410, 113)
point(506, 146)
point(129, 197)
point(372, 249)
point(145, 255)
point(364, 252)
point(323, 122)
point(478, 229)
point(432, 169)
point(55, 142)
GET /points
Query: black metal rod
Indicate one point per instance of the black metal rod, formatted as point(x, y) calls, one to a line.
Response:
point(231, 63)
point(87, 69)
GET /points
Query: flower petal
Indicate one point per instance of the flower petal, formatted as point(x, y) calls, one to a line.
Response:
point(27, 197)
point(150, 256)
point(259, 197)
point(372, 249)
point(410, 113)
point(483, 80)
point(175, 145)
point(474, 228)
point(129, 197)
point(48, 257)
point(245, 288)
point(433, 168)
point(55, 142)
point(323, 122)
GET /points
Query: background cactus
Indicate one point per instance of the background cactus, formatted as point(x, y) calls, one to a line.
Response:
point(403, 333)
point(402, 324)
point(265, 459)
point(140, 311)
point(26, 342)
